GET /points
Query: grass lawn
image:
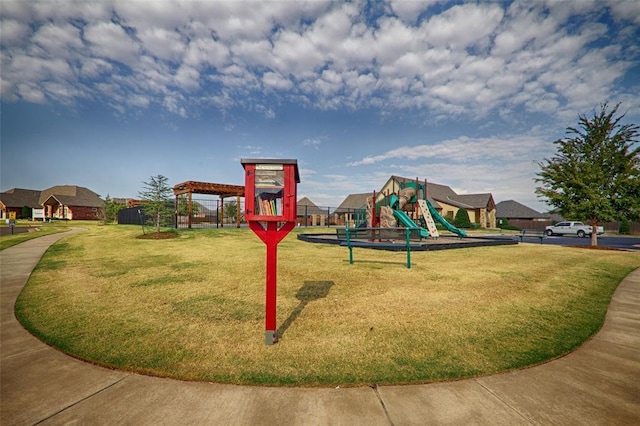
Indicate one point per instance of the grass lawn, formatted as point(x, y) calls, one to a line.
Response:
point(193, 307)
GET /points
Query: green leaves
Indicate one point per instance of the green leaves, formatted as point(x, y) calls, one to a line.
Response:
point(595, 174)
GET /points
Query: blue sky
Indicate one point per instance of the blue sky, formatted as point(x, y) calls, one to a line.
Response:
point(471, 95)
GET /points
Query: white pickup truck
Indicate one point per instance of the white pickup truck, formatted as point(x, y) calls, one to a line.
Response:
point(571, 228)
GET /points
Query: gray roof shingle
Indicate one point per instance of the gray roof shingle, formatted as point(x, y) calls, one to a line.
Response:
point(306, 206)
point(353, 201)
point(72, 195)
point(514, 210)
point(18, 197)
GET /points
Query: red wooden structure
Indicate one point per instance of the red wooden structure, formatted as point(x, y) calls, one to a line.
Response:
point(270, 210)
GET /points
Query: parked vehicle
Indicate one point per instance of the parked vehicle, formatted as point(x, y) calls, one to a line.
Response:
point(571, 228)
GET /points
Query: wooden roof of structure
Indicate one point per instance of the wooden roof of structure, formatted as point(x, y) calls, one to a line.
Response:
point(220, 189)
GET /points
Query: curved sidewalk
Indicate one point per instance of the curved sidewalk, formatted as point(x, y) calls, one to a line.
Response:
point(597, 384)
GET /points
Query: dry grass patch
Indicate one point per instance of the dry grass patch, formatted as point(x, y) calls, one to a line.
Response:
point(193, 307)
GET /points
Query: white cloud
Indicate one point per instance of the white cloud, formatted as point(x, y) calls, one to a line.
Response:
point(478, 22)
point(465, 150)
point(111, 41)
point(461, 60)
point(409, 11)
point(164, 44)
point(13, 32)
point(276, 81)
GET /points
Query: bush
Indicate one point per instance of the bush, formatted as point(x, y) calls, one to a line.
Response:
point(625, 227)
point(25, 213)
point(462, 219)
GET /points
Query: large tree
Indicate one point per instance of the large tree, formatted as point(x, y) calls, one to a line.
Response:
point(595, 174)
point(156, 196)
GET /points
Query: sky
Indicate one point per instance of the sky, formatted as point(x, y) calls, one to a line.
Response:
point(466, 94)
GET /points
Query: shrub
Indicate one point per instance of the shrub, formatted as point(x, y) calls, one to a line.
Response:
point(462, 219)
point(625, 227)
point(25, 213)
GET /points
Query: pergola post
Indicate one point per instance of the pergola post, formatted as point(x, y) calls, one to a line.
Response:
point(222, 211)
point(190, 210)
point(238, 211)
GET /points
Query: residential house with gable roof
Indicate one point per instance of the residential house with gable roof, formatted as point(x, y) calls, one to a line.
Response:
point(15, 199)
point(351, 210)
point(521, 216)
point(310, 214)
point(58, 202)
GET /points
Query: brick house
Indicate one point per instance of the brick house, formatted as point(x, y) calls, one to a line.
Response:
point(15, 199)
point(58, 202)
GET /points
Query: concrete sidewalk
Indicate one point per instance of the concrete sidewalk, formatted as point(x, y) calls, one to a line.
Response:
point(597, 384)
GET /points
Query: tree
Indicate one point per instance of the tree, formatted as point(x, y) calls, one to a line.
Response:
point(230, 209)
point(462, 219)
point(625, 227)
point(595, 174)
point(111, 209)
point(156, 196)
point(183, 206)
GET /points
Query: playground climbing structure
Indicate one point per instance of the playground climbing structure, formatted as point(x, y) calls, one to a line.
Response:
point(406, 207)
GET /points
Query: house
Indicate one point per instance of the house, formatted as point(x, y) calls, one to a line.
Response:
point(71, 202)
point(480, 207)
point(521, 216)
point(59, 202)
point(352, 210)
point(310, 214)
point(15, 199)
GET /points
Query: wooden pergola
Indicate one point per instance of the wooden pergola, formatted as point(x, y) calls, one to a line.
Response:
point(219, 189)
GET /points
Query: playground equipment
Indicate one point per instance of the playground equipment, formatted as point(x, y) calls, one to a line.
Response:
point(384, 210)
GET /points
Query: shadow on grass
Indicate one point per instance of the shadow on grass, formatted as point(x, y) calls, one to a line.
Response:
point(310, 291)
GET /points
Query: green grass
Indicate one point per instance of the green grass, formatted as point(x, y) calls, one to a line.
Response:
point(193, 307)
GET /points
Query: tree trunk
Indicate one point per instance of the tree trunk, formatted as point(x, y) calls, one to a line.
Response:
point(594, 233)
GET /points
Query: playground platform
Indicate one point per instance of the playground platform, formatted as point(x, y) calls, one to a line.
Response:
point(431, 244)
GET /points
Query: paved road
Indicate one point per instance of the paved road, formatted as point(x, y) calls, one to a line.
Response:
point(623, 243)
point(597, 384)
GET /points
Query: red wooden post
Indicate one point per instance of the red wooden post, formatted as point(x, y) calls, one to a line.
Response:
point(270, 208)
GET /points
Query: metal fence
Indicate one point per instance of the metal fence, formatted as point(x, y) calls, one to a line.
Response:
point(212, 213)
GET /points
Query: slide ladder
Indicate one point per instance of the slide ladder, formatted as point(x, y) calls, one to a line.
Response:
point(431, 225)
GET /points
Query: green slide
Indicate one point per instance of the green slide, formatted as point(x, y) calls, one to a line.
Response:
point(444, 222)
point(407, 222)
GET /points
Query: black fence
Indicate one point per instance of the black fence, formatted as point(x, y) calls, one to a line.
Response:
point(132, 216)
point(215, 214)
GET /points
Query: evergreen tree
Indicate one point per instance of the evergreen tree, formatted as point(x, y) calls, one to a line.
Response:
point(156, 196)
point(462, 219)
point(595, 174)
